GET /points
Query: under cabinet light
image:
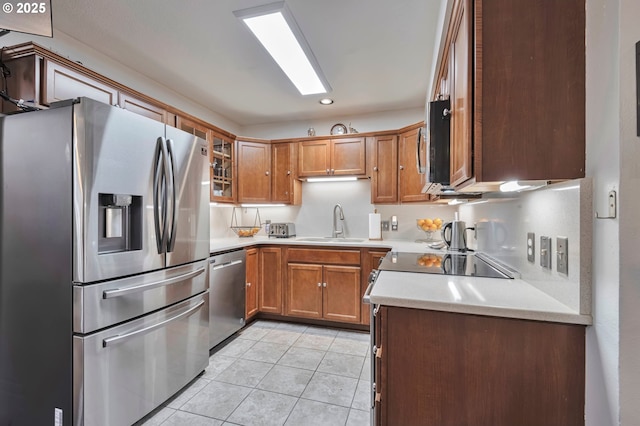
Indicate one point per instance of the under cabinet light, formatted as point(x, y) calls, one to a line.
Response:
point(332, 179)
point(262, 205)
point(276, 29)
point(522, 185)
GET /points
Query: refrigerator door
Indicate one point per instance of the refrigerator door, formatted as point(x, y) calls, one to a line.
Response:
point(115, 155)
point(124, 372)
point(188, 238)
point(104, 304)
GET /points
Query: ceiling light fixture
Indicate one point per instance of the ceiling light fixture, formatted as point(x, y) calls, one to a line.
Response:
point(326, 101)
point(276, 29)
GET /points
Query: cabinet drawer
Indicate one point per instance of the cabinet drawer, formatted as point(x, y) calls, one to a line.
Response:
point(334, 257)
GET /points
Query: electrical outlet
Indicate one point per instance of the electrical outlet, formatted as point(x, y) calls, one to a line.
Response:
point(385, 225)
point(545, 252)
point(562, 253)
point(394, 223)
point(531, 247)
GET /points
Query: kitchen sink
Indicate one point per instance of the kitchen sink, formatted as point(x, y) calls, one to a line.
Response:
point(330, 240)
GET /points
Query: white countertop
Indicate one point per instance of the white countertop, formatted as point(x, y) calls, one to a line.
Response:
point(509, 298)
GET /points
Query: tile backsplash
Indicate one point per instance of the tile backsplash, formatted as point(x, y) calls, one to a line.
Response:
point(559, 210)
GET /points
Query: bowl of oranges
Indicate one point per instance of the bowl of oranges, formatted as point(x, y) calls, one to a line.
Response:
point(429, 226)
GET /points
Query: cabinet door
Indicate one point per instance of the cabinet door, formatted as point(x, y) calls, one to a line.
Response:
point(341, 293)
point(410, 181)
point(146, 109)
point(254, 172)
point(304, 290)
point(223, 176)
point(283, 182)
point(384, 171)
point(270, 275)
point(314, 158)
point(62, 83)
point(251, 303)
point(460, 61)
point(348, 156)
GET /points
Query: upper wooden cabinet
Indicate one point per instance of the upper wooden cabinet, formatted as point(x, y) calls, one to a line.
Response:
point(338, 156)
point(285, 188)
point(254, 172)
point(410, 181)
point(61, 83)
point(140, 107)
point(383, 156)
point(516, 77)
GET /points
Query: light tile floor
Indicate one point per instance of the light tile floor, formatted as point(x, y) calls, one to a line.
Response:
point(277, 373)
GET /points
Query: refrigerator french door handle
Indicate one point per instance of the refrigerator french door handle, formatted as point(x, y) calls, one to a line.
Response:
point(118, 292)
point(171, 241)
point(127, 336)
point(157, 174)
point(164, 182)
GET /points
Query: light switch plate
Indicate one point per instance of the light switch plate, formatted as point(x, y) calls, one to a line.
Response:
point(531, 247)
point(562, 254)
point(385, 225)
point(545, 252)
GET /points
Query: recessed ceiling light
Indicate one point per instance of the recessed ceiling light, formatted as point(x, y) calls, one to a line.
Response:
point(274, 26)
point(326, 101)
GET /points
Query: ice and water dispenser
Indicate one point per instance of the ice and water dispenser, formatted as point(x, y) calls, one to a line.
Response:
point(119, 223)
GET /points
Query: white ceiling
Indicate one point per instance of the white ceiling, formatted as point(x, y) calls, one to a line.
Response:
point(375, 54)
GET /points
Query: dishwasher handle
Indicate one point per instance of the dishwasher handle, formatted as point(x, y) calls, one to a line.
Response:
point(225, 264)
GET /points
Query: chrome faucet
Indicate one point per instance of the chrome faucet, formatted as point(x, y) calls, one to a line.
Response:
point(335, 231)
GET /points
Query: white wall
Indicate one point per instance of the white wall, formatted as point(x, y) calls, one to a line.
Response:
point(314, 217)
point(603, 165)
point(388, 120)
point(629, 227)
point(76, 51)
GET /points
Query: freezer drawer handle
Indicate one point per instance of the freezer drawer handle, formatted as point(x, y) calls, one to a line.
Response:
point(117, 292)
point(123, 337)
point(224, 265)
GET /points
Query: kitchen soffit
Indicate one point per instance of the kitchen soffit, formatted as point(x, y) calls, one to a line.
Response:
point(376, 54)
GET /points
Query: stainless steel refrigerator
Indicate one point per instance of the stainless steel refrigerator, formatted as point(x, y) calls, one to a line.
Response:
point(104, 229)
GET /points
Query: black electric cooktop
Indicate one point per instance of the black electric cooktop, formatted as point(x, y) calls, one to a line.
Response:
point(465, 264)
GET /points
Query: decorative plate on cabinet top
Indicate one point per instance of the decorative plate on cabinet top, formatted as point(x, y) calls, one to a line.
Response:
point(339, 129)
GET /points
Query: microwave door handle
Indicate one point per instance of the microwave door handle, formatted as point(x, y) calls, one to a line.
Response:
point(171, 240)
point(419, 165)
point(157, 175)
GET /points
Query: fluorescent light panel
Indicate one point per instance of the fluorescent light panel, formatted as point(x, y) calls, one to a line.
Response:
point(274, 26)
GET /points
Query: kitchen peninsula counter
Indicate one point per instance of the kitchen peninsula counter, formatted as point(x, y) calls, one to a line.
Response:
point(497, 297)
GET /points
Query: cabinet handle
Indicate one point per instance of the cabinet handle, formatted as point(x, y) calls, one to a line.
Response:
point(324, 284)
point(375, 168)
point(319, 284)
point(378, 397)
point(446, 112)
point(288, 172)
point(379, 352)
point(401, 167)
point(266, 173)
point(333, 171)
point(248, 284)
point(328, 171)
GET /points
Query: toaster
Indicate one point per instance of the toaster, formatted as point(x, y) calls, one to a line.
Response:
point(282, 230)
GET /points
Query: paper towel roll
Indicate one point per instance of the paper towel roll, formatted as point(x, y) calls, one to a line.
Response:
point(375, 231)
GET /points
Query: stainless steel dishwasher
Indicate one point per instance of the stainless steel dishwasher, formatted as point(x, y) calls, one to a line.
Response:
point(227, 295)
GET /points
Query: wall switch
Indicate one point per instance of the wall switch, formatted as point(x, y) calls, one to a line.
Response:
point(531, 247)
point(562, 253)
point(545, 252)
point(394, 223)
point(385, 225)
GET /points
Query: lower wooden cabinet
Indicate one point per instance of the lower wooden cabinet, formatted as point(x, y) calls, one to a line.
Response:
point(270, 288)
point(443, 368)
point(251, 283)
point(330, 292)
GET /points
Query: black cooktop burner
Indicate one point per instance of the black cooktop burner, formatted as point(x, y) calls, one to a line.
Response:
point(439, 263)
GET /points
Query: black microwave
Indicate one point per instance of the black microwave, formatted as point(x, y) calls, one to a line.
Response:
point(438, 165)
